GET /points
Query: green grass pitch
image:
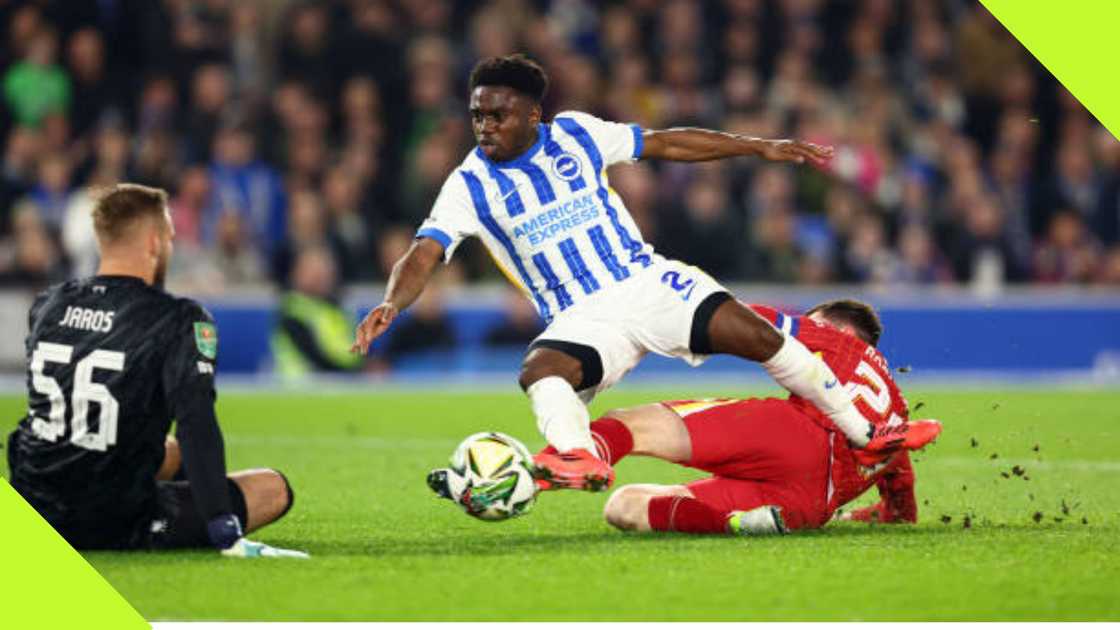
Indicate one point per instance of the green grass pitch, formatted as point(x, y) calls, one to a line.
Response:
point(385, 549)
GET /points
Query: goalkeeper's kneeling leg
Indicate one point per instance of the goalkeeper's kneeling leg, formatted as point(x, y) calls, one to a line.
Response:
point(268, 496)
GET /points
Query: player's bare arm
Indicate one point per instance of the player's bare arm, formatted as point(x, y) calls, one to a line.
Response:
point(690, 144)
point(409, 277)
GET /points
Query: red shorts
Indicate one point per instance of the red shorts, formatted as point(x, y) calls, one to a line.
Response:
point(761, 452)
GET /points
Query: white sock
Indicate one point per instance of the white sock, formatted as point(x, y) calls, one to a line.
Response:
point(804, 374)
point(562, 418)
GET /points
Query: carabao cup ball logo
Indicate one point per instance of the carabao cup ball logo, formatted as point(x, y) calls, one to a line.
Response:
point(566, 166)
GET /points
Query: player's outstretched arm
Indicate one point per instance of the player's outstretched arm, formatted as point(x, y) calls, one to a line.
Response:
point(409, 277)
point(690, 144)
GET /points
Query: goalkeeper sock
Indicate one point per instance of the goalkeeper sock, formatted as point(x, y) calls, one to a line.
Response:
point(799, 371)
point(612, 439)
point(685, 514)
point(562, 417)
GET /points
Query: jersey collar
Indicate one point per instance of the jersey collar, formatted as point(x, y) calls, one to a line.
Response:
point(524, 158)
point(118, 278)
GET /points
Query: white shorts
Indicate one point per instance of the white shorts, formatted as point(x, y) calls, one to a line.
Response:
point(650, 312)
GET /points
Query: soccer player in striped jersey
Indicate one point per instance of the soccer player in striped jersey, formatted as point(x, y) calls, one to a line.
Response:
point(536, 193)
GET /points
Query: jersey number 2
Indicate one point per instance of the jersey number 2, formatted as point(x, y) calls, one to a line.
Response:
point(873, 391)
point(85, 392)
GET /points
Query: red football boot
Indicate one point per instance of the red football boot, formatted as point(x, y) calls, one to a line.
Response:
point(886, 440)
point(576, 469)
point(920, 433)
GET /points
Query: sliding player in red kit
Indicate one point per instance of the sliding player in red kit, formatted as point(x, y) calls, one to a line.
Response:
point(776, 464)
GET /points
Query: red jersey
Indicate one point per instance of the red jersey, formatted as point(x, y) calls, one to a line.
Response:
point(864, 372)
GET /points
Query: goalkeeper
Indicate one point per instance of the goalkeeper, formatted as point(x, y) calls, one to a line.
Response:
point(111, 360)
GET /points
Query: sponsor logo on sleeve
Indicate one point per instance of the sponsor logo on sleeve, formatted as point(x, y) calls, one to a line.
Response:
point(206, 338)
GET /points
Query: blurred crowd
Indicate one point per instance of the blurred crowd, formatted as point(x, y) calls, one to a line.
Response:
point(324, 129)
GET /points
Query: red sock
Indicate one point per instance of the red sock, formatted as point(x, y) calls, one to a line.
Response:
point(612, 439)
point(685, 514)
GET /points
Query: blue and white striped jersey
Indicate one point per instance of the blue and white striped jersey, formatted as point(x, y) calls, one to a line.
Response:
point(548, 217)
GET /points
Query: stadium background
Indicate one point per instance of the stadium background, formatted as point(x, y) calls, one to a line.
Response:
point(302, 142)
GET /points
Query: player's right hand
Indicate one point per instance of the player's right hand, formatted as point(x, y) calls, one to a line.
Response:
point(795, 151)
point(245, 548)
point(374, 324)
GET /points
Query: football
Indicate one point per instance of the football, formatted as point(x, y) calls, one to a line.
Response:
point(491, 477)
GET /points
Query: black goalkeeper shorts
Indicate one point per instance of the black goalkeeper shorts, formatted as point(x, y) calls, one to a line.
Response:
point(172, 522)
point(178, 523)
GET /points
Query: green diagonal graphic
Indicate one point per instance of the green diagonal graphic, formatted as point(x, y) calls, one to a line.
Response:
point(1077, 42)
point(45, 583)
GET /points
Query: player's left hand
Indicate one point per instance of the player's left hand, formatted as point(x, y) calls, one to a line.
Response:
point(245, 548)
point(795, 151)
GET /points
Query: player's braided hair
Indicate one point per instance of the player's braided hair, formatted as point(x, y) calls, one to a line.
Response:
point(861, 316)
point(513, 71)
point(118, 207)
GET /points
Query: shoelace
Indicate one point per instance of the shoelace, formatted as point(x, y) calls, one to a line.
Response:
point(890, 430)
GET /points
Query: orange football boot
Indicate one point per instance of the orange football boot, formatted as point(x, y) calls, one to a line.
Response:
point(576, 469)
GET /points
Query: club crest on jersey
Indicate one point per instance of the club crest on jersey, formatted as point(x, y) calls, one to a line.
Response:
point(566, 166)
point(206, 338)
